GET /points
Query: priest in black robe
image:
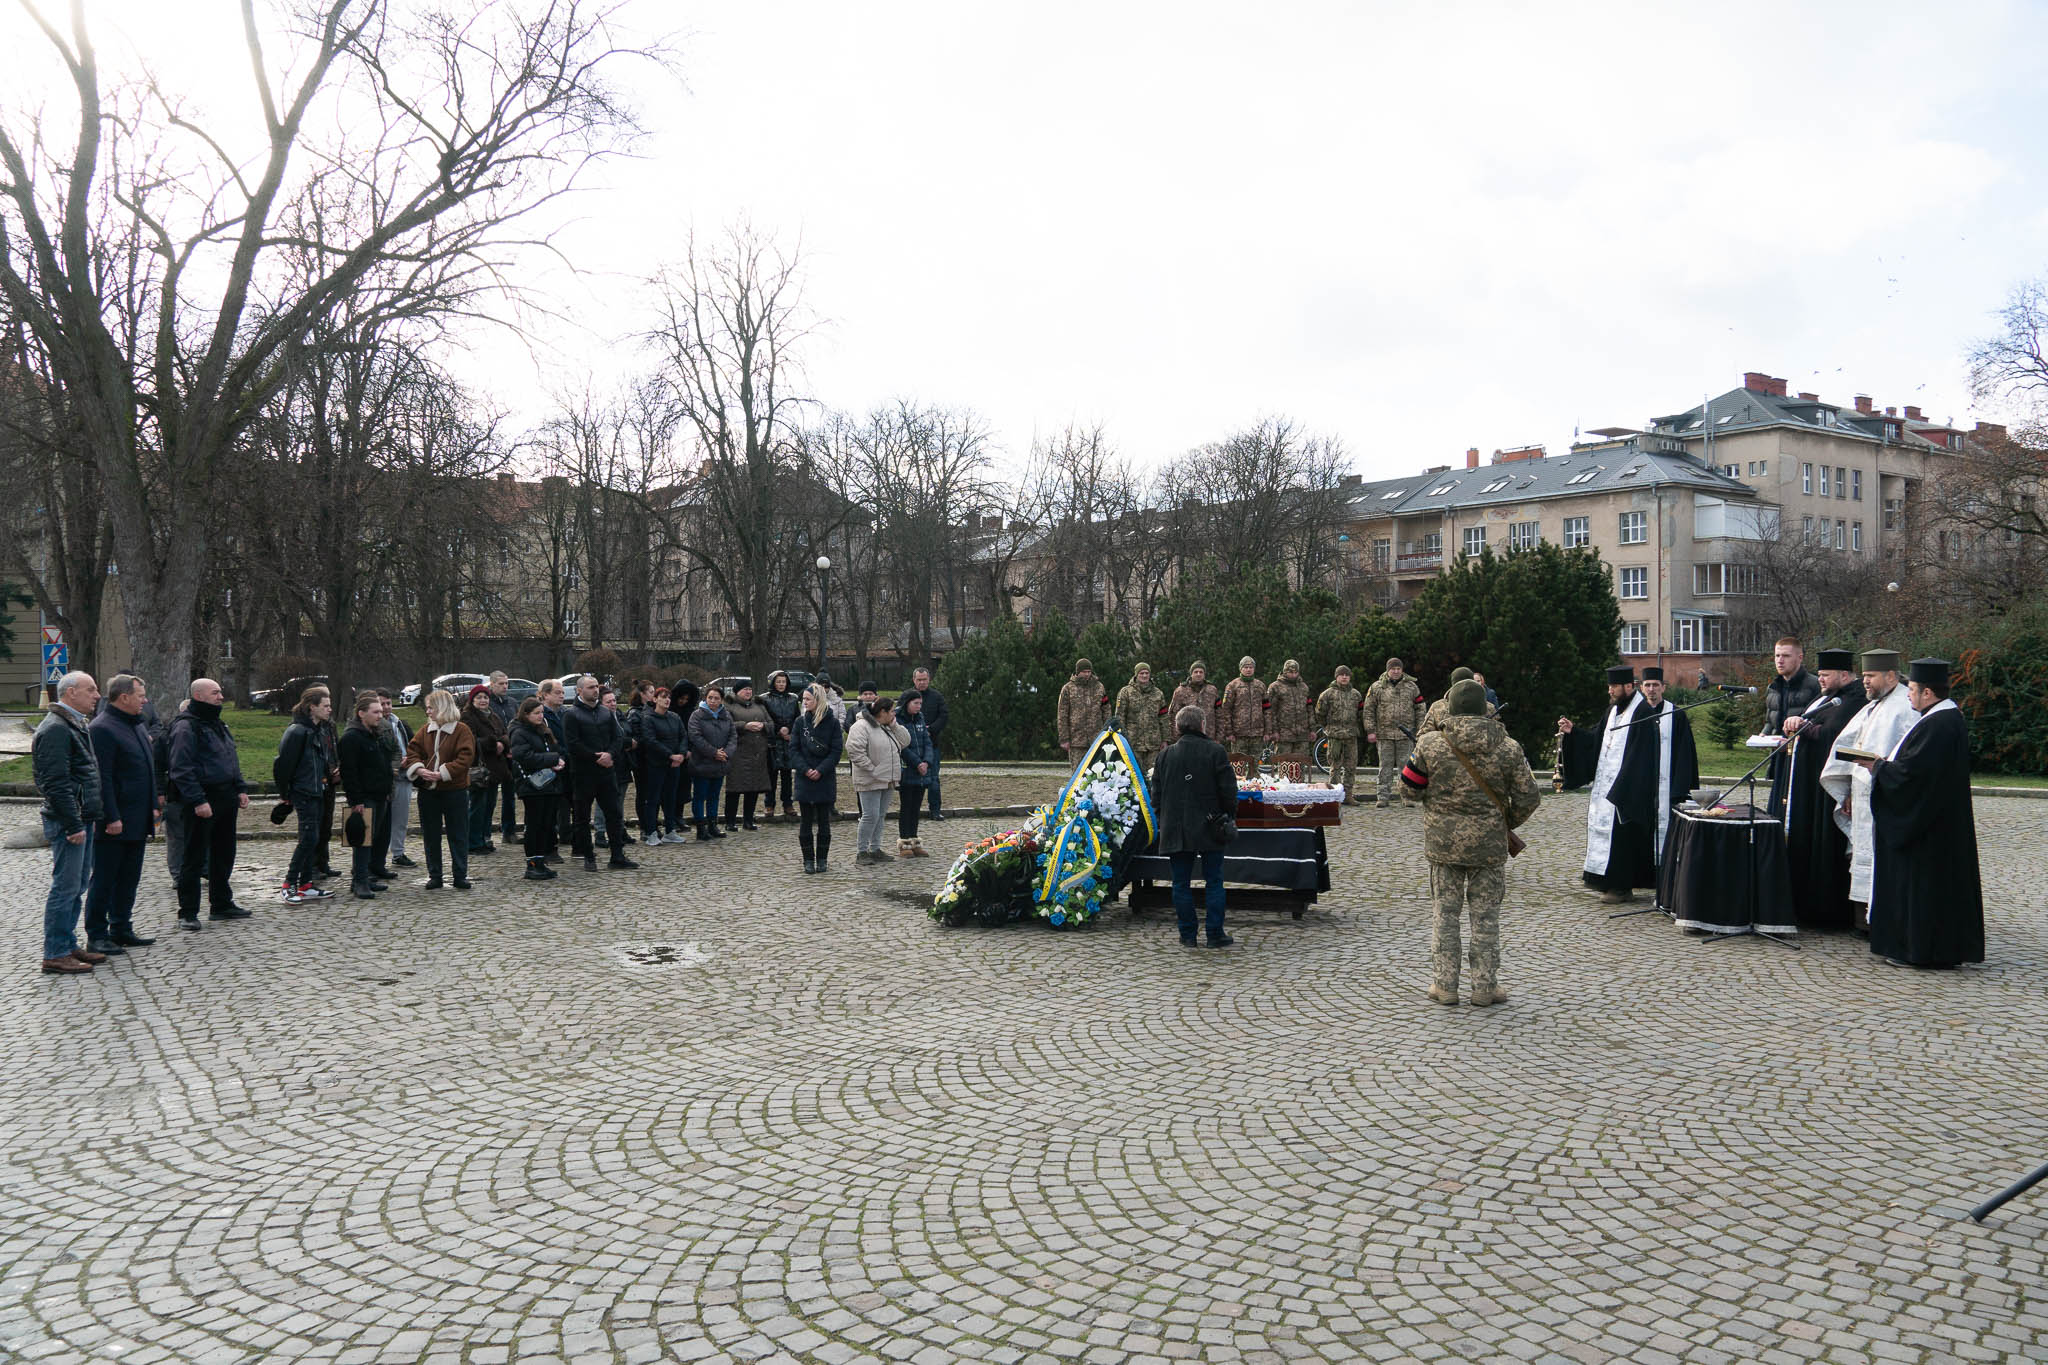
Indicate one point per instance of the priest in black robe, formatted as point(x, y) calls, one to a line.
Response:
point(1926, 899)
point(1647, 764)
point(1816, 849)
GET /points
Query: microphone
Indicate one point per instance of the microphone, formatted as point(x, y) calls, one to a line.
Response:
point(1735, 690)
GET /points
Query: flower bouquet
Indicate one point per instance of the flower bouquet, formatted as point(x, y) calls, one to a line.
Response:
point(1064, 860)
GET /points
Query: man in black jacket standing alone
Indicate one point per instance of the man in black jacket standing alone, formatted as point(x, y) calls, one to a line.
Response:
point(1193, 781)
point(935, 719)
point(590, 734)
point(206, 774)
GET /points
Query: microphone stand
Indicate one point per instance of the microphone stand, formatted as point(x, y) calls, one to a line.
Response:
point(2011, 1192)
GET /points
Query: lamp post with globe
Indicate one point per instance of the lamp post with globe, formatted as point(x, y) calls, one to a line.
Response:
point(824, 604)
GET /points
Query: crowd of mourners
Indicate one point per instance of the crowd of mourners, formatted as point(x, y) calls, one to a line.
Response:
point(552, 770)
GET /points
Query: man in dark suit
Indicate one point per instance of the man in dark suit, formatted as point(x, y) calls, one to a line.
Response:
point(130, 806)
point(1192, 781)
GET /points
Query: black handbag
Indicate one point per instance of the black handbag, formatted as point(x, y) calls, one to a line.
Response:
point(1221, 827)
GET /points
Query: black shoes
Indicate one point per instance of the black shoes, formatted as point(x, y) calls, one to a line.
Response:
point(431, 884)
point(554, 860)
point(190, 923)
point(936, 815)
point(618, 864)
point(462, 883)
point(590, 863)
point(540, 872)
point(810, 864)
point(228, 912)
point(1190, 941)
point(748, 825)
point(106, 946)
point(364, 891)
point(703, 834)
point(717, 833)
point(1220, 940)
point(128, 938)
point(400, 860)
point(485, 847)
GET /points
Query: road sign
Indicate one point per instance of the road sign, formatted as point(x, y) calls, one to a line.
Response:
point(56, 659)
point(53, 635)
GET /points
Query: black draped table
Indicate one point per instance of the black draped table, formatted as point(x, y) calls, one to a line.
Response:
point(1293, 863)
point(1705, 881)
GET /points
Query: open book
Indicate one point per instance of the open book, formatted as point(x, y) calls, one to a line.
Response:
point(1844, 751)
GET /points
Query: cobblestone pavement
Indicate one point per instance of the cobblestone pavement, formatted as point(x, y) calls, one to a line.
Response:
point(812, 1126)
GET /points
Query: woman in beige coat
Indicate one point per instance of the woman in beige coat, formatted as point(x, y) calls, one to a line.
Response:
point(875, 744)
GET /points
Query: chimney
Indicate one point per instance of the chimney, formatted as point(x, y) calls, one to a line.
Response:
point(1472, 458)
point(1863, 403)
point(1756, 381)
point(1913, 414)
point(1891, 412)
point(1518, 453)
point(1809, 398)
point(1990, 431)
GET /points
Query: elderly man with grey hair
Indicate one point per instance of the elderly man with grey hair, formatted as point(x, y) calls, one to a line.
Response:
point(68, 777)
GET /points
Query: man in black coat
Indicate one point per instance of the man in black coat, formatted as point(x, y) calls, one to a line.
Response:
point(131, 804)
point(1785, 701)
point(1192, 781)
point(935, 720)
point(206, 774)
point(1926, 898)
point(1816, 849)
point(591, 738)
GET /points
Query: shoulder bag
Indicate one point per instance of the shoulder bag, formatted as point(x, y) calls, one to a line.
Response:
point(1515, 841)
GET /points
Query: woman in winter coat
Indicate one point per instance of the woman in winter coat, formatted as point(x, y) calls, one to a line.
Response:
point(711, 744)
point(301, 774)
point(531, 751)
point(491, 767)
point(875, 742)
point(919, 756)
point(661, 752)
point(784, 706)
point(815, 743)
point(751, 775)
point(438, 761)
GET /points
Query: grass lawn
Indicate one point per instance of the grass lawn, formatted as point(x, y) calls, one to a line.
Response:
point(256, 735)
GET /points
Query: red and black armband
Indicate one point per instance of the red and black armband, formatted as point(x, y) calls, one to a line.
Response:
point(1414, 776)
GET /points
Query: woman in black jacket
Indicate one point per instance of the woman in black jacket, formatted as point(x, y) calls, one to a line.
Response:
point(662, 750)
point(366, 782)
point(784, 706)
point(815, 743)
point(533, 750)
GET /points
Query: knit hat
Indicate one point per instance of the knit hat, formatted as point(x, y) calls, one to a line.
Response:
point(479, 691)
point(1459, 675)
point(1292, 665)
point(1247, 659)
point(1395, 662)
point(1343, 671)
point(1136, 669)
point(1468, 698)
point(1083, 666)
point(1198, 664)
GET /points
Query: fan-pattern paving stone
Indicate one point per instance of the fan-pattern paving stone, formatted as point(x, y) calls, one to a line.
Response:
point(495, 1127)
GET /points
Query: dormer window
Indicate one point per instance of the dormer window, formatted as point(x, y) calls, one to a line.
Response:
point(1496, 485)
point(1442, 489)
point(1389, 497)
point(1586, 477)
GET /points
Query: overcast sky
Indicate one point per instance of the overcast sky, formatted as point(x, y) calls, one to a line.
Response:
point(1418, 227)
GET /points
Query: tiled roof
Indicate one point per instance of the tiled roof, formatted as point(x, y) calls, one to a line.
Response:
point(1599, 469)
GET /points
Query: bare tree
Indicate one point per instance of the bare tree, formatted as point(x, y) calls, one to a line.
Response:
point(729, 320)
point(1269, 492)
point(442, 132)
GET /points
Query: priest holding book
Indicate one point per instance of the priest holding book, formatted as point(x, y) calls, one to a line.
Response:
point(1882, 723)
point(1926, 899)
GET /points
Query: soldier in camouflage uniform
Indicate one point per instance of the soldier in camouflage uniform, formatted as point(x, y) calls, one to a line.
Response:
point(1465, 833)
point(1201, 694)
point(1082, 703)
point(1244, 711)
point(1291, 711)
point(1389, 709)
point(1142, 715)
point(1439, 708)
point(1338, 717)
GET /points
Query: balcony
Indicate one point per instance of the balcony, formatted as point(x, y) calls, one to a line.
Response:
point(1419, 560)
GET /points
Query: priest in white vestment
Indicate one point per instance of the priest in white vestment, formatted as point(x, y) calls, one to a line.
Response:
point(1876, 729)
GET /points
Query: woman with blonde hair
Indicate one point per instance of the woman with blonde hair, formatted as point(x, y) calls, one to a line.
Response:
point(815, 743)
point(437, 763)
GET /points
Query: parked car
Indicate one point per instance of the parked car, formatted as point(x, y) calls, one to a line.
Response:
point(458, 683)
point(286, 694)
point(799, 679)
point(519, 689)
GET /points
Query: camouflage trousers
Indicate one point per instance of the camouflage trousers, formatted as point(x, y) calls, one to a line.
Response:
point(1393, 753)
point(1477, 891)
point(1344, 767)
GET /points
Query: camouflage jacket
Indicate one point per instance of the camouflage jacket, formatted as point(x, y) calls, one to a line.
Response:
point(1389, 705)
point(1243, 716)
point(1082, 710)
point(1337, 712)
point(1461, 824)
point(1141, 711)
point(1439, 712)
point(1205, 698)
point(1290, 710)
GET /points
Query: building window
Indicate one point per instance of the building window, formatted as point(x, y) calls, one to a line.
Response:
point(1433, 543)
point(1733, 471)
point(1763, 467)
point(1856, 536)
point(1806, 478)
point(1685, 634)
point(1524, 535)
point(1841, 482)
point(1806, 527)
point(1475, 540)
point(1382, 554)
point(1497, 485)
point(1714, 635)
point(1824, 481)
point(1856, 485)
point(1635, 527)
point(1841, 535)
point(1578, 532)
point(1891, 514)
point(1706, 580)
point(1635, 585)
point(572, 623)
point(1635, 638)
point(572, 578)
point(1588, 476)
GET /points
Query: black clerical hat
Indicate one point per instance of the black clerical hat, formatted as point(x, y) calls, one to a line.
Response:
point(1841, 660)
point(1933, 671)
point(1652, 674)
point(1619, 674)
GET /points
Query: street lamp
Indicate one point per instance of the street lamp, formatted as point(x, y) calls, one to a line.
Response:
point(824, 601)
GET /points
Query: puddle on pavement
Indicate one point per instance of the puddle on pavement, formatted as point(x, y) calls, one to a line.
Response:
point(662, 955)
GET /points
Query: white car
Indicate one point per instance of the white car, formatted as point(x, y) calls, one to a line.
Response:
point(458, 683)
